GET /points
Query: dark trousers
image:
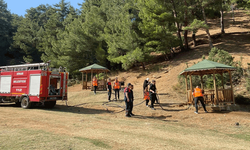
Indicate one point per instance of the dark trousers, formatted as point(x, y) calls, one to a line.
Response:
point(196, 99)
point(128, 107)
point(147, 101)
point(95, 87)
point(117, 94)
point(152, 98)
point(109, 94)
point(131, 105)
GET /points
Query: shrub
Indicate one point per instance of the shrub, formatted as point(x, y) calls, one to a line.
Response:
point(223, 57)
point(239, 99)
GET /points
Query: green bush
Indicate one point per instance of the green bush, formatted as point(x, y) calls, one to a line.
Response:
point(239, 99)
point(223, 57)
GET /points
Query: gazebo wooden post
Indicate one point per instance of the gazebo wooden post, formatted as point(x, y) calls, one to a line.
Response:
point(86, 80)
point(186, 87)
point(202, 87)
point(215, 90)
point(82, 81)
point(191, 88)
point(91, 79)
point(231, 83)
point(105, 79)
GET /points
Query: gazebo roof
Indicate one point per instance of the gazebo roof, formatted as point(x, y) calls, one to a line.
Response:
point(93, 67)
point(207, 67)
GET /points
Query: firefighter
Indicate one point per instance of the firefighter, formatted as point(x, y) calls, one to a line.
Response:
point(127, 99)
point(145, 85)
point(117, 88)
point(152, 93)
point(198, 96)
point(95, 83)
point(132, 101)
point(109, 88)
point(146, 96)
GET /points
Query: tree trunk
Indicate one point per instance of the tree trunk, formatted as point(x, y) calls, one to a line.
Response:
point(185, 24)
point(143, 66)
point(207, 30)
point(177, 24)
point(222, 19)
point(194, 39)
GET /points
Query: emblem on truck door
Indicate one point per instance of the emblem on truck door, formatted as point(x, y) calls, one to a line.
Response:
point(19, 90)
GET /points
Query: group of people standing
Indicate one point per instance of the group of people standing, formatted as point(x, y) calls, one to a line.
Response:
point(150, 94)
point(116, 87)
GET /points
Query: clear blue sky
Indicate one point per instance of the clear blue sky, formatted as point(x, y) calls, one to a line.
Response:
point(20, 6)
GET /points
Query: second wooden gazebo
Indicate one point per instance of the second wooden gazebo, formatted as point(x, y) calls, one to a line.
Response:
point(93, 69)
point(215, 96)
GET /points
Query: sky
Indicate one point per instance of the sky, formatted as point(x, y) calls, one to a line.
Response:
point(20, 6)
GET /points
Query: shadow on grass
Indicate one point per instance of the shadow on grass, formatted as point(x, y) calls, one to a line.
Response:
point(75, 109)
point(63, 108)
point(162, 118)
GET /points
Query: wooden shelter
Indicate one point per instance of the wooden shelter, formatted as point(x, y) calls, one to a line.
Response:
point(93, 69)
point(215, 96)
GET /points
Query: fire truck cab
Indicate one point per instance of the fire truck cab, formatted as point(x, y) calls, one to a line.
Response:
point(30, 84)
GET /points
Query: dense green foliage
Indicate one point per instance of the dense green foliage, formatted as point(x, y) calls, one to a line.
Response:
point(112, 33)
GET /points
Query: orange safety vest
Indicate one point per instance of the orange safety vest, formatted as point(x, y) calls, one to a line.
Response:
point(197, 92)
point(94, 82)
point(117, 85)
point(146, 96)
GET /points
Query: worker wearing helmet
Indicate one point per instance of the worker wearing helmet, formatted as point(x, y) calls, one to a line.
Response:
point(152, 93)
point(198, 96)
point(145, 85)
point(117, 88)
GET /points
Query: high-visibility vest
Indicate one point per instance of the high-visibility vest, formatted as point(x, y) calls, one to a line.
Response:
point(146, 96)
point(94, 82)
point(117, 85)
point(197, 92)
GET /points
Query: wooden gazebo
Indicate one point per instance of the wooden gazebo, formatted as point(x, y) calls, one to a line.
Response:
point(215, 96)
point(93, 69)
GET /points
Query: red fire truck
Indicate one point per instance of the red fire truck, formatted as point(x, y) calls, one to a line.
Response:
point(30, 84)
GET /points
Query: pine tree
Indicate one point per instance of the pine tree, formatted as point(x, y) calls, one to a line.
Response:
point(158, 25)
point(5, 32)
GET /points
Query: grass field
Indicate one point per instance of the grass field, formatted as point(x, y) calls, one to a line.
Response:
point(85, 124)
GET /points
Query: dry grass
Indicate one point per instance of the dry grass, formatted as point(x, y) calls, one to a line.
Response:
point(88, 125)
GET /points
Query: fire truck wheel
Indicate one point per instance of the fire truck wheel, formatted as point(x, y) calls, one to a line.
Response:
point(50, 104)
point(25, 103)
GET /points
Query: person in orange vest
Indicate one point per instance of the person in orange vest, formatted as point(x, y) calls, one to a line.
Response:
point(198, 96)
point(146, 96)
point(117, 88)
point(95, 83)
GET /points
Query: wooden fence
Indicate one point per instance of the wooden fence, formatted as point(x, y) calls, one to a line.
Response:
point(224, 96)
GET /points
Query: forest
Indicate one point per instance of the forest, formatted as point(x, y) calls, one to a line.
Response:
point(114, 33)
